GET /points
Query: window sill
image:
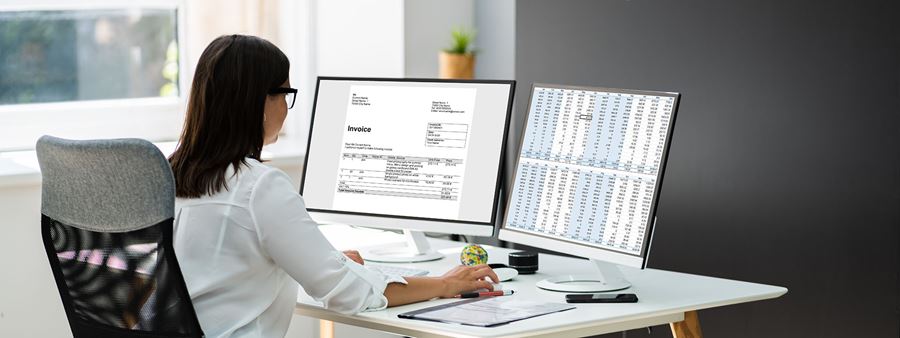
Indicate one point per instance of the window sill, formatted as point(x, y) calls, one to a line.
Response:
point(20, 168)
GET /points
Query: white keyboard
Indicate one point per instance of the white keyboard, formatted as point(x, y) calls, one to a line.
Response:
point(396, 270)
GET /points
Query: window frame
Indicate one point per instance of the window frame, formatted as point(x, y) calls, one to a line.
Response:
point(152, 118)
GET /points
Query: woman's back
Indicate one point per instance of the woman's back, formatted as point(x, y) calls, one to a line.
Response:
point(243, 250)
point(218, 248)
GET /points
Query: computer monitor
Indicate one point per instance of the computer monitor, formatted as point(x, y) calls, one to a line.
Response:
point(588, 177)
point(410, 154)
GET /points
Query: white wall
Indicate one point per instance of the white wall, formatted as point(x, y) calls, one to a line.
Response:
point(402, 38)
point(359, 38)
point(29, 303)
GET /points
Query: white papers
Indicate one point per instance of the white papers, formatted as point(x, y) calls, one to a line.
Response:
point(487, 312)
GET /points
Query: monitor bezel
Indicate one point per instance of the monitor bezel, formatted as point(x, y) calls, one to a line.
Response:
point(410, 222)
point(579, 248)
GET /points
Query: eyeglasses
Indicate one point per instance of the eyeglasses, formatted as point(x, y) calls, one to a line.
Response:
point(290, 94)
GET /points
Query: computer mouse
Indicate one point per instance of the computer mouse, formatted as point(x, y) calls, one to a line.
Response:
point(506, 274)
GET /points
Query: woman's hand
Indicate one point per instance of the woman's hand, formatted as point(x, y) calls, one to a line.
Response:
point(354, 256)
point(462, 279)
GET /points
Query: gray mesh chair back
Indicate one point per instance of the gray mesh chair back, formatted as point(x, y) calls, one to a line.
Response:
point(106, 220)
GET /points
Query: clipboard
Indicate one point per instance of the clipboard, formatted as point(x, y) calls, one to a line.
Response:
point(486, 311)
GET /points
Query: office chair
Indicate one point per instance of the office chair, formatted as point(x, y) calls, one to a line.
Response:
point(106, 221)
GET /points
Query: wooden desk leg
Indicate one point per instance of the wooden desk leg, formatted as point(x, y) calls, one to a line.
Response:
point(687, 328)
point(326, 329)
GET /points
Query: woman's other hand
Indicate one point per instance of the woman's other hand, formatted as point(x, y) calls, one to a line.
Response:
point(354, 256)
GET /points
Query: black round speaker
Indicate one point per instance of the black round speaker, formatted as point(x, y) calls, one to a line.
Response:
point(523, 261)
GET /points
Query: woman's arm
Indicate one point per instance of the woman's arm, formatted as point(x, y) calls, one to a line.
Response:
point(459, 280)
point(293, 241)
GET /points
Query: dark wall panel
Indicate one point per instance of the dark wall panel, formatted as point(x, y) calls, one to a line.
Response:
point(785, 162)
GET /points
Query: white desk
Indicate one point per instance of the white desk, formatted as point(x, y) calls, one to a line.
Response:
point(664, 296)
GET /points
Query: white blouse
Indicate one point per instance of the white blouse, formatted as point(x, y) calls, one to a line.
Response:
point(243, 250)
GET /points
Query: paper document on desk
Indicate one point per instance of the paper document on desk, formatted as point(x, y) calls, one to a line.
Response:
point(486, 312)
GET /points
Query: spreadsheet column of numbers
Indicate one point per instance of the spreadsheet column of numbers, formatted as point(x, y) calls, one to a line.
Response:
point(589, 164)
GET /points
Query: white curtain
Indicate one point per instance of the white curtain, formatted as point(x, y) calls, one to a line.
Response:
point(208, 19)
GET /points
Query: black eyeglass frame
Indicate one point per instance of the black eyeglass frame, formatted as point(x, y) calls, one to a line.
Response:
point(285, 90)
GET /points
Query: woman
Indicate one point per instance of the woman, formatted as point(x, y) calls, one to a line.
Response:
point(242, 233)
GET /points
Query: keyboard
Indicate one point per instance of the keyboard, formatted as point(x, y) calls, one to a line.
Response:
point(396, 270)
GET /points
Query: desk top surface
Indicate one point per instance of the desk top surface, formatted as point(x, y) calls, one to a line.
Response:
point(663, 295)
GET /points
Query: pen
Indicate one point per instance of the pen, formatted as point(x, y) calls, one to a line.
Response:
point(486, 294)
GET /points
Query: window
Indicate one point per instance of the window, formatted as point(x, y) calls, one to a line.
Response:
point(108, 69)
point(76, 55)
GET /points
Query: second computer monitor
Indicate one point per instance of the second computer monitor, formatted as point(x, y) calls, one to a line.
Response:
point(588, 177)
point(412, 154)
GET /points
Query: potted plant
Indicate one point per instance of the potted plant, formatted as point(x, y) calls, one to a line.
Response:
point(458, 61)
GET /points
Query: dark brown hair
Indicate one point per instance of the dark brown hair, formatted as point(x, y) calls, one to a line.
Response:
point(224, 119)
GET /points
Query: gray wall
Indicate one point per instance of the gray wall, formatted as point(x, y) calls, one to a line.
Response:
point(495, 22)
point(785, 162)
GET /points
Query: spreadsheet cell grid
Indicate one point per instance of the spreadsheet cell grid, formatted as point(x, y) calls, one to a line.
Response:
point(589, 164)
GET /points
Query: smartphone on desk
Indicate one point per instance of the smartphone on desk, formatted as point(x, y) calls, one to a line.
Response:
point(601, 298)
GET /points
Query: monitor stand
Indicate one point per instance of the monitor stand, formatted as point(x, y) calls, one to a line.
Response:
point(606, 277)
point(416, 249)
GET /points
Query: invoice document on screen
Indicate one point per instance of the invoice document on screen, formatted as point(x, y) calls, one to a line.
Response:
point(404, 150)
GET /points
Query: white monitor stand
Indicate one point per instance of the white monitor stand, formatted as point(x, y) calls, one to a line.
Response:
point(416, 249)
point(606, 277)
